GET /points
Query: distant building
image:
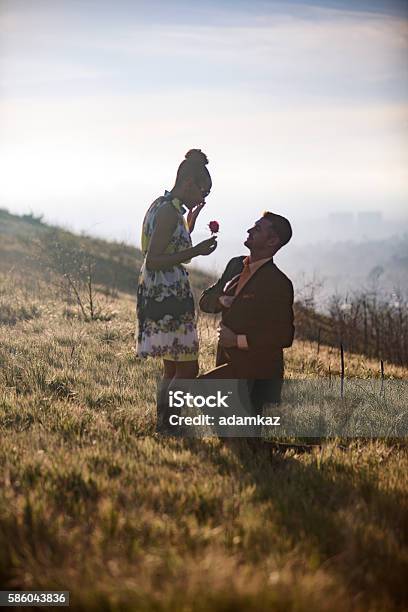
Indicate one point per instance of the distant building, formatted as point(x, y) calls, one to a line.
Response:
point(370, 223)
point(363, 224)
point(342, 217)
point(342, 223)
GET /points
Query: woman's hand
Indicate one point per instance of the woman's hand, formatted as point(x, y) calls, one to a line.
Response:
point(193, 214)
point(206, 247)
point(156, 258)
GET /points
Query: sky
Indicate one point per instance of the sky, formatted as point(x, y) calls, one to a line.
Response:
point(301, 108)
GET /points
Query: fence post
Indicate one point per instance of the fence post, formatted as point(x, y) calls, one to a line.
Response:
point(382, 377)
point(365, 348)
point(342, 371)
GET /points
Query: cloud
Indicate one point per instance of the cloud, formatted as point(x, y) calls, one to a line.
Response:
point(302, 104)
point(307, 51)
point(131, 141)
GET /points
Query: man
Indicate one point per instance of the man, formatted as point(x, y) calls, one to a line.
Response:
point(256, 302)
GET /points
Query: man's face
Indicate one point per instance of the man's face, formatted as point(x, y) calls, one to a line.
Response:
point(261, 235)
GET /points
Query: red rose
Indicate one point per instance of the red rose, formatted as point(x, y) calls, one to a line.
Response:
point(214, 226)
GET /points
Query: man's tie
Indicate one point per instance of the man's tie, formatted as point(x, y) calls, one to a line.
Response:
point(244, 276)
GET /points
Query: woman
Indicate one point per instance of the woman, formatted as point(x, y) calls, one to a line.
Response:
point(165, 304)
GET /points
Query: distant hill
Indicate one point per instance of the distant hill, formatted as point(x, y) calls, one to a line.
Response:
point(25, 240)
point(346, 267)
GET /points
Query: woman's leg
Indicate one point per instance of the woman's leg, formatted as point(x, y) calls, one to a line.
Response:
point(169, 369)
point(172, 371)
point(186, 369)
point(169, 372)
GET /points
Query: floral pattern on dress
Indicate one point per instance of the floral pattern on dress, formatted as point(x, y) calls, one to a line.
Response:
point(172, 337)
point(159, 284)
point(175, 350)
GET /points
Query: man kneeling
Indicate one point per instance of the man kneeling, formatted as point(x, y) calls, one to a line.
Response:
point(256, 302)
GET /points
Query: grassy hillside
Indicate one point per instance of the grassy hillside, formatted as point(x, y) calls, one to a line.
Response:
point(26, 243)
point(30, 249)
point(94, 502)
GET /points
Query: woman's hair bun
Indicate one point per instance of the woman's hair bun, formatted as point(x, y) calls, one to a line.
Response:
point(197, 156)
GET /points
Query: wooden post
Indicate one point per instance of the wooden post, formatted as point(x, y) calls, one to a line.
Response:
point(365, 347)
point(342, 371)
point(382, 377)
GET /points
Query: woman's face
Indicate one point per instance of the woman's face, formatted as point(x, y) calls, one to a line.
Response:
point(196, 191)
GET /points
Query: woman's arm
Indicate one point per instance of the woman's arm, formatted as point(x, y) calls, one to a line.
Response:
point(156, 258)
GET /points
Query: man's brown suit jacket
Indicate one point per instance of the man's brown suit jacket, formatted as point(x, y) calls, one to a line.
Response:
point(263, 311)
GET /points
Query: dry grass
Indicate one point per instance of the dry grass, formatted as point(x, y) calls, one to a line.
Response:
point(93, 502)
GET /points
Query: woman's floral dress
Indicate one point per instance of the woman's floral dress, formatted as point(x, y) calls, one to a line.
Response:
point(165, 303)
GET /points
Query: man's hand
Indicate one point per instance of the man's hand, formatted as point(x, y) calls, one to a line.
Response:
point(193, 214)
point(226, 337)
